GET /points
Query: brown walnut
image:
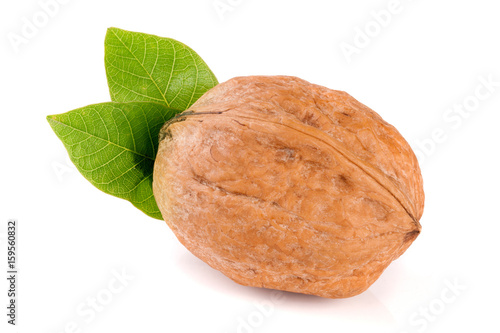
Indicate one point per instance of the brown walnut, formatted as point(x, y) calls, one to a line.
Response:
point(283, 184)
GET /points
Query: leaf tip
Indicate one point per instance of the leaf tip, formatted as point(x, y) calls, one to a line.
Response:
point(113, 30)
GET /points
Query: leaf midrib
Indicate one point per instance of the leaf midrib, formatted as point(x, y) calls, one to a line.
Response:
point(145, 50)
point(105, 140)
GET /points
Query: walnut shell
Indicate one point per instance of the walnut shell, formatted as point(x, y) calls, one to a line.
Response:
point(283, 184)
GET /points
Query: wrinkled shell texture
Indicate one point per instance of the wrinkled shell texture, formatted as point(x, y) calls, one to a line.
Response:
point(283, 184)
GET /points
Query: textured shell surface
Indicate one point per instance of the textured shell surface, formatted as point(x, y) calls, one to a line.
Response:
point(283, 184)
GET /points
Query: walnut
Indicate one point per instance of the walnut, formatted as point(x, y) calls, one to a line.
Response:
point(283, 184)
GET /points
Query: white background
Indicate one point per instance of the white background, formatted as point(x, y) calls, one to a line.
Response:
point(73, 239)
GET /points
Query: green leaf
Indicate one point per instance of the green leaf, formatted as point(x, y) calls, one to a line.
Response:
point(114, 146)
point(142, 67)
